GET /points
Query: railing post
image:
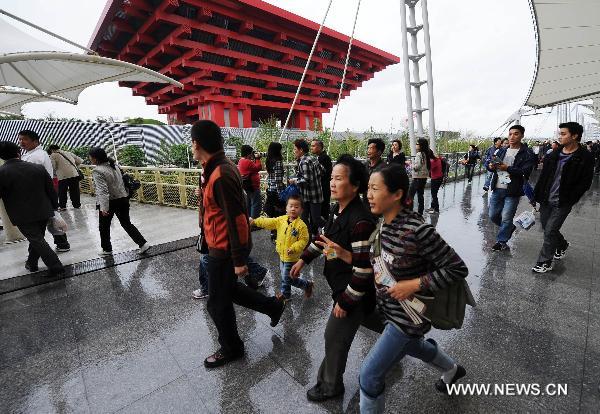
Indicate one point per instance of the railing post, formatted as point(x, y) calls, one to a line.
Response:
point(182, 190)
point(456, 166)
point(159, 187)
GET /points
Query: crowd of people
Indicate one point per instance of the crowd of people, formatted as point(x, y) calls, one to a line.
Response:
point(380, 256)
point(35, 186)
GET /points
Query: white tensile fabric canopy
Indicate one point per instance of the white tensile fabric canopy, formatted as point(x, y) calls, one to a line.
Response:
point(33, 76)
point(568, 67)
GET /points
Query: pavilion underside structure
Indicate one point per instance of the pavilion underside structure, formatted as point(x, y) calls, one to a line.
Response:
point(240, 61)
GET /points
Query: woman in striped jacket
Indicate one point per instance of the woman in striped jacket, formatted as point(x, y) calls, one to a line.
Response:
point(414, 258)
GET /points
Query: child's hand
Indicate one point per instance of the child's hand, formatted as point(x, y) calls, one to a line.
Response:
point(251, 221)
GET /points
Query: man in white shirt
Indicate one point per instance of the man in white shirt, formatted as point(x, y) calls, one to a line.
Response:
point(35, 154)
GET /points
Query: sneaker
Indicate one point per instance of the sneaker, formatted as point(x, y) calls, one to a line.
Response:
point(31, 268)
point(62, 249)
point(442, 387)
point(144, 248)
point(105, 253)
point(282, 298)
point(542, 267)
point(62, 209)
point(432, 211)
point(561, 253)
point(498, 247)
point(199, 294)
point(316, 394)
point(486, 189)
point(309, 290)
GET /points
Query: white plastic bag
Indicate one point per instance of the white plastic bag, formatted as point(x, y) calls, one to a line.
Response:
point(526, 219)
point(57, 226)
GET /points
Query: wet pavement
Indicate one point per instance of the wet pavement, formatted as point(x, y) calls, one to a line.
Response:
point(131, 339)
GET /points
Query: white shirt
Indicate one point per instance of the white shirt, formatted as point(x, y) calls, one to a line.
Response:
point(504, 176)
point(41, 157)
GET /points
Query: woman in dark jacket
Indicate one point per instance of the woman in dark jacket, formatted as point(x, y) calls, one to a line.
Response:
point(396, 155)
point(348, 272)
point(470, 161)
point(275, 180)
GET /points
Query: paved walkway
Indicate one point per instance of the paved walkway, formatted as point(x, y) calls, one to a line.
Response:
point(130, 338)
point(157, 224)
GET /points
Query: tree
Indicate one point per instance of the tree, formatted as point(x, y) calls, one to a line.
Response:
point(267, 132)
point(143, 121)
point(131, 156)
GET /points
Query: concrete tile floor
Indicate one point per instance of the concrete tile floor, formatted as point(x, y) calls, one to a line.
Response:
point(131, 339)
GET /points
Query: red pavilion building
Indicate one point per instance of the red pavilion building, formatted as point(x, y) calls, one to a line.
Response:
point(240, 60)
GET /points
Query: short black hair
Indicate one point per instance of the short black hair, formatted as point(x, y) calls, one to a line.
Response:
point(302, 145)
point(497, 139)
point(398, 141)
point(295, 197)
point(30, 134)
point(379, 144)
point(319, 142)
point(518, 127)
point(53, 147)
point(574, 129)
point(208, 135)
point(9, 150)
point(395, 178)
point(246, 150)
point(556, 142)
point(358, 176)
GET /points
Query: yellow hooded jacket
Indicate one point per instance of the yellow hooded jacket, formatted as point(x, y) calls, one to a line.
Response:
point(293, 236)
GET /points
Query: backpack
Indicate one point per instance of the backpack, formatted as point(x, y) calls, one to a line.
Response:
point(445, 310)
point(130, 183)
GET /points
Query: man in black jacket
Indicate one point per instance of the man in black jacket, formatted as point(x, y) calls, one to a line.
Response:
point(30, 201)
point(511, 168)
point(566, 175)
point(316, 147)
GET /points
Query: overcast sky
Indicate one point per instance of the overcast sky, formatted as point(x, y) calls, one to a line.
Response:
point(483, 62)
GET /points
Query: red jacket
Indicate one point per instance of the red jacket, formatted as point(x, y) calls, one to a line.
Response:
point(437, 170)
point(223, 211)
point(250, 168)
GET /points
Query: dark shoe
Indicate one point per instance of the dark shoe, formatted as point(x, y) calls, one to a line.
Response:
point(560, 254)
point(275, 319)
point(498, 247)
point(542, 267)
point(485, 189)
point(219, 358)
point(62, 249)
point(317, 395)
point(31, 268)
point(309, 290)
point(441, 386)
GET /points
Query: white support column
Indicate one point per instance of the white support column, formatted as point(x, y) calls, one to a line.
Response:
point(415, 83)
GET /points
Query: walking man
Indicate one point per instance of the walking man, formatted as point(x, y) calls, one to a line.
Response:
point(375, 162)
point(65, 165)
point(226, 238)
point(489, 154)
point(566, 175)
point(34, 153)
point(511, 169)
point(30, 201)
point(316, 147)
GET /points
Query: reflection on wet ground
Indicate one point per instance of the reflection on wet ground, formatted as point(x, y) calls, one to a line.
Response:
point(130, 338)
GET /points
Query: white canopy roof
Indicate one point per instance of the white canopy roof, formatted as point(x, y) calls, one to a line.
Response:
point(33, 75)
point(568, 67)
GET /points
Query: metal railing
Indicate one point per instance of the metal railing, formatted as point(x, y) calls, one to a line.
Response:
point(176, 187)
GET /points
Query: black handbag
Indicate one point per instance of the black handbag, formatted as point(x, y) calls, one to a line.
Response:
point(130, 183)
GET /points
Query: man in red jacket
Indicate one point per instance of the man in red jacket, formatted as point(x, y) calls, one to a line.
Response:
point(226, 238)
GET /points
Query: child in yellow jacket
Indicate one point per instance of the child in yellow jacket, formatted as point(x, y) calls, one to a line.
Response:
point(292, 238)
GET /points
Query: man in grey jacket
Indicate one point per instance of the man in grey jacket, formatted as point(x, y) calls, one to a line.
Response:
point(65, 166)
point(30, 200)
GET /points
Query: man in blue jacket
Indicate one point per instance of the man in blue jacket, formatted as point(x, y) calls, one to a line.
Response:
point(489, 154)
point(567, 174)
point(510, 169)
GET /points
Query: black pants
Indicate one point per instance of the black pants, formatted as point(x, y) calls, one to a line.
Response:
point(273, 206)
point(339, 334)
point(435, 187)
point(417, 186)
point(326, 204)
point(552, 219)
point(120, 208)
point(223, 291)
point(38, 247)
point(312, 217)
point(469, 170)
point(72, 186)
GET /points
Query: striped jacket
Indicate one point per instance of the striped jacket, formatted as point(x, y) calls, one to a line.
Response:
point(413, 249)
point(309, 179)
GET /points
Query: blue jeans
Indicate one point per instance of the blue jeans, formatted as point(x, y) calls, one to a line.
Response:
point(488, 179)
point(390, 348)
point(502, 213)
point(254, 201)
point(287, 281)
point(255, 271)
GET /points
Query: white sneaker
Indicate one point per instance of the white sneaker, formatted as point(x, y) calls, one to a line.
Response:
point(104, 253)
point(143, 249)
point(199, 294)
